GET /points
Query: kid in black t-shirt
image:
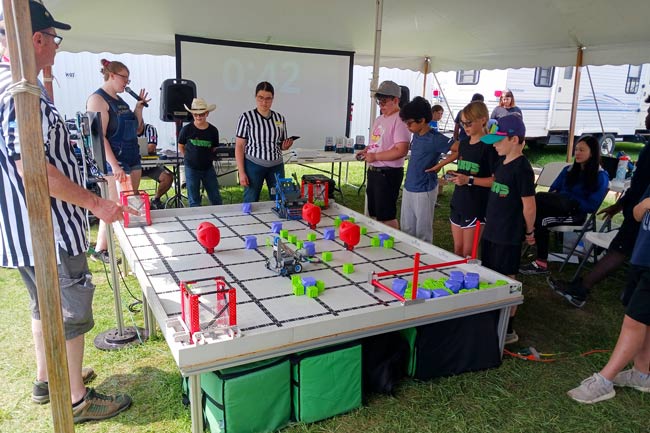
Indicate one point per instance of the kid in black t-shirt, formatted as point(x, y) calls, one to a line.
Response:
point(510, 213)
point(198, 141)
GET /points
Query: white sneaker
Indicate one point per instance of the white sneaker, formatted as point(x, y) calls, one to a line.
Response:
point(592, 390)
point(511, 337)
point(634, 379)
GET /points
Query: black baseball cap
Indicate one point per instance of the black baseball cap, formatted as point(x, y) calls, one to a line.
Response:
point(43, 19)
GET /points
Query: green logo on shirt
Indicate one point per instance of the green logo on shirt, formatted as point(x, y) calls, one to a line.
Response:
point(470, 166)
point(200, 143)
point(501, 189)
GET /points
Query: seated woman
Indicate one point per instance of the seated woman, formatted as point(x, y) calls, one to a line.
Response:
point(578, 190)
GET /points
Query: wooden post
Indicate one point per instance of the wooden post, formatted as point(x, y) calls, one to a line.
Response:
point(427, 60)
point(574, 104)
point(47, 81)
point(28, 118)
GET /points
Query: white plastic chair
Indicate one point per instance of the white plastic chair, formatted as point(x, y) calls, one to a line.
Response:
point(549, 173)
point(602, 239)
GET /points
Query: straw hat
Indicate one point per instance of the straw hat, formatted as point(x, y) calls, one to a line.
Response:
point(200, 106)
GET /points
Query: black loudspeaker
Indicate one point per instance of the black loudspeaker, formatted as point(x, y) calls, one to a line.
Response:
point(405, 98)
point(174, 94)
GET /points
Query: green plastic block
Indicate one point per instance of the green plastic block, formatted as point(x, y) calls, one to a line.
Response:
point(375, 242)
point(299, 244)
point(295, 278)
point(364, 230)
point(292, 239)
point(429, 284)
point(351, 219)
point(483, 285)
point(312, 291)
point(284, 233)
point(337, 222)
point(299, 291)
point(321, 286)
point(388, 243)
point(269, 242)
point(326, 256)
point(311, 237)
point(297, 284)
point(348, 268)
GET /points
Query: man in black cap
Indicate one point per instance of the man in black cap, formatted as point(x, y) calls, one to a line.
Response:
point(68, 197)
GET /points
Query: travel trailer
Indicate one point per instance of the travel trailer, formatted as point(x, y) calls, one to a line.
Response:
point(614, 111)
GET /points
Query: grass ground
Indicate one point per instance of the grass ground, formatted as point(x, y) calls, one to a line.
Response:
point(520, 396)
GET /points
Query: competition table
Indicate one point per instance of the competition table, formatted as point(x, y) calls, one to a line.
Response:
point(272, 321)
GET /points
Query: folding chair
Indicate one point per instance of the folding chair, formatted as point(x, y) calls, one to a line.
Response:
point(590, 225)
point(549, 173)
point(602, 239)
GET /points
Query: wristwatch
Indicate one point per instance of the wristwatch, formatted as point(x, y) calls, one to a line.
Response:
point(470, 182)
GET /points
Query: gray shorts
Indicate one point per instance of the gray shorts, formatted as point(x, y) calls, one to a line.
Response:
point(77, 290)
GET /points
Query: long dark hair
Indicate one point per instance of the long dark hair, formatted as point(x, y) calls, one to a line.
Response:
point(589, 174)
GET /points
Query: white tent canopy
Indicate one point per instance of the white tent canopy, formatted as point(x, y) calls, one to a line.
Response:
point(454, 34)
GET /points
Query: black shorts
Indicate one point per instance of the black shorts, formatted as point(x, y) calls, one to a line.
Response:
point(624, 240)
point(383, 189)
point(463, 221)
point(501, 258)
point(636, 297)
point(155, 172)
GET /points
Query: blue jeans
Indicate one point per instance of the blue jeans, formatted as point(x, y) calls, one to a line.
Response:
point(193, 180)
point(257, 174)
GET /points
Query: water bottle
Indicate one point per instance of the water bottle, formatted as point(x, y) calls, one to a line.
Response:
point(621, 169)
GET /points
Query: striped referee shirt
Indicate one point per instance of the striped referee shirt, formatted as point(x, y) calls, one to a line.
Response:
point(68, 220)
point(263, 135)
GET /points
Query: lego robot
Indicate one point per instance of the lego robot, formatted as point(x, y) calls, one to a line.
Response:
point(288, 200)
point(286, 261)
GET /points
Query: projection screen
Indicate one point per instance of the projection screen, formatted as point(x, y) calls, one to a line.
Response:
point(313, 87)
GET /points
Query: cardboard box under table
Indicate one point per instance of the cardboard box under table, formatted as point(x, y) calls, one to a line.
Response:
point(326, 382)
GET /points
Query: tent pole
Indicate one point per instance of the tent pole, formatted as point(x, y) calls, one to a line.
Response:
point(23, 67)
point(427, 60)
point(47, 81)
point(374, 83)
point(574, 103)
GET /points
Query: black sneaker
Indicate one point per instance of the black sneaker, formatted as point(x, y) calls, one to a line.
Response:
point(102, 256)
point(532, 268)
point(574, 292)
point(41, 390)
point(156, 204)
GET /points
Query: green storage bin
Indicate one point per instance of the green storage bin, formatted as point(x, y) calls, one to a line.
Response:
point(410, 335)
point(252, 398)
point(326, 382)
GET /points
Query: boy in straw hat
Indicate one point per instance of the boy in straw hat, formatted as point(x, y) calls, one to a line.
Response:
point(197, 142)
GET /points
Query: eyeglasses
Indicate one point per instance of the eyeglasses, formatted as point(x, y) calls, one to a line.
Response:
point(382, 100)
point(467, 124)
point(264, 98)
point(123, 76)
point(57, 39)
point(410, 122)
point(200, 114)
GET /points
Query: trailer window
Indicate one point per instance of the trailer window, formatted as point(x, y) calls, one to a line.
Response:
point(633, 79)
point(544, 76)
point(467, 76)
point(568, 72)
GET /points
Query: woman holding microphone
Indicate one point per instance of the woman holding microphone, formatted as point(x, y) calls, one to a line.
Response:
point(261, 137)
point(121, 127)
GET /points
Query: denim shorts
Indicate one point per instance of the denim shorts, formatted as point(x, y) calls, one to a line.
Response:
point(77, 290)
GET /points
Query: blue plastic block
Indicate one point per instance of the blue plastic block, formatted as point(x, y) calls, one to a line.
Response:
point(439, 293)
point(310, 247)
point(251, 242)
point(276, 227)
point(246, 207)
point(399, 286)
point(308, 281)
point(383, 236)
point(457, 276)
point(471, 280)
point(329, 234)
point(454, 286)
point(344, 217)
point(423, 294)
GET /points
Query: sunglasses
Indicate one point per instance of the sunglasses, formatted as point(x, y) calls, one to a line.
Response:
point(467, 124)
point(57, 39)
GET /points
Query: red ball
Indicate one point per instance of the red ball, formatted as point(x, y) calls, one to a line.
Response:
point(311, 213)
point(208, 236)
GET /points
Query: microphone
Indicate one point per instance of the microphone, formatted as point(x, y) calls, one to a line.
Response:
point(135, 95)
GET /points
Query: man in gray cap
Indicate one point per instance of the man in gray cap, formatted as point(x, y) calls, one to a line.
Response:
point(388, 145)
point(68, 197)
